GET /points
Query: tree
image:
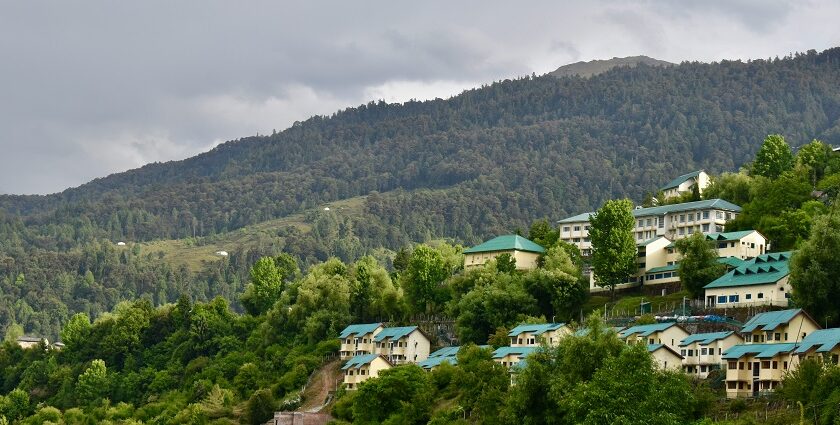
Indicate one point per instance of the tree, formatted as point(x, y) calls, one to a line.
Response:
point(485, 308)
point(93, 383)
point(733, 187)
point(401, 394)
point(773, 158)
point(260, 407)
point(505, 263)
point(557, 285)
point(698, 264)
point(543, 234)
point(815, 270)
point(265, 286)
point(13, 332)
point(613, 245)
point(814, 157)
point(76, 330)
point(422, 278)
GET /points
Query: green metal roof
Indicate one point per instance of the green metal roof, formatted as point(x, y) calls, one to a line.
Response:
point(359, 361)
point(506, 243)
point(668, 268)
point(728, 236)
point(536, 329)
point(761, 270)
point(394, 333)
point(653, 347)
point(359, 329)
point(650, 241)
point(679, 180)
point(731, 261)
point(687, 206)
point(577, 218)
point(824, 340)
point(761, 351)
point(446, 351)
point(645, 330)
point(516, 351)
point(705, 338)
point(770, 320)
point(432, 362)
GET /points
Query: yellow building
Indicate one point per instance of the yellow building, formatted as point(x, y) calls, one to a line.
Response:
point(783, 326)
point(512, 356)
point(668, 333)
point(357, 339)
point(665, 357)
point(821, 344)
point(361, 368)
point(685, 184)
point(532, 335)
point(525, 252)
point(762, 280)
point(757, 369)
point(703, 353)
point(407, 344)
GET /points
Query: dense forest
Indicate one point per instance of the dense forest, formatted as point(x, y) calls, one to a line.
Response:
point(486, 162)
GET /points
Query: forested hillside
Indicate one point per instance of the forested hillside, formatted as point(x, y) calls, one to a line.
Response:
point(485, 162)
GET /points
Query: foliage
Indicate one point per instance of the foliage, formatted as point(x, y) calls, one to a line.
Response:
point(815, 270)
point(422, 278)
point(265, 286)
point(698, 264)
point(774, 157)
point(613, 245)
point(399, 395)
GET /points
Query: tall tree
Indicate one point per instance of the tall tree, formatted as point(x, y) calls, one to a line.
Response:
point(613, 246)
point(423, 275)
point(815, 270)
point(814, 156)
point(774, 157)
point(265, 286)
point(698, 263)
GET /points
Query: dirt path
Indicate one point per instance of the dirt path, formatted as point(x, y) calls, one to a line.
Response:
point(315, 395)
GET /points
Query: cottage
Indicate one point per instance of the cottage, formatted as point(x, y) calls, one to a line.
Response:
point(821, 344)
point(702, 353)
point(665, 356)
point(512, 356)
point(444, 355)
point(357, 339)
point(407, 344)
point(762, 280)
point(532, 335)
point(757, 369)
point(668, 333)
point(522, 250)
point(779, 326)
point(361, 368)
point(31, 341)
point(685, 184)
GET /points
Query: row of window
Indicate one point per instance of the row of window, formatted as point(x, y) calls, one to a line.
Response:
point(657, 276)
point(764, 364)
point(575, 228)
point(362, 372)
point(700, 352)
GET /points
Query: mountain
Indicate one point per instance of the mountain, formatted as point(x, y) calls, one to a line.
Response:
point(483, 163)
point(595, 67)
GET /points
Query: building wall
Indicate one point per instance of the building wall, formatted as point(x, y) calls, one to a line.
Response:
point(509, 360)
point(670, 337)
point(411, 348)
point(749, 246)
point(698, 364)
point(355, 376)
point(794, 331)
point(666, 359)
point(742, 379)
point(524, 260)
point(754, 295)
point(528, 339)
point(365, 345)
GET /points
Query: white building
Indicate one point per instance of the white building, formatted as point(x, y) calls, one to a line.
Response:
point(685, 183)
point(762, 280)
point(703, 353)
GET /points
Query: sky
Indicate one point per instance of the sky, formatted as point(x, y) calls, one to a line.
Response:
point(92, 88)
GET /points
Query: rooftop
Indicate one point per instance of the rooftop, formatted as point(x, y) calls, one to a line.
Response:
point(432, 362)
point(679, 180)
point(823, 340)
point(359, 361)
point(577, 218)
point(770, 320)
point(394, 333)
point(760, 351)
point(506, 243)
point(761, 270)
point(359, 329)
point(516, 351)
point(729, 236)
point(719, 204)
point(536, 329)
point(645, 330)
point(654, 347)
point(705, 338)
point(446, 352)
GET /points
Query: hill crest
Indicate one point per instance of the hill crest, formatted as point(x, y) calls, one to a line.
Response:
point(599, 66)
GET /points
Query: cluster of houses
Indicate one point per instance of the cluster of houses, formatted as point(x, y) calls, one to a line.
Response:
point(754, 358)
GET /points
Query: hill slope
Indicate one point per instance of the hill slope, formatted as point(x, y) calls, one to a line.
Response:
point(595, 67)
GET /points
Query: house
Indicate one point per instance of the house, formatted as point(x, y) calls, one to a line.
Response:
point(672, 221)
point(522, 250)
point(762, 280)
point(783, 326)
point(702, 353)
point(743, 244)
point(685, 184)
point(358, 339)
point(512, 356)
point(444, 355)
point(667, 333)
point(821, 344)
point(665, 356)
point(58, 345)
point(407, 344)
point(757, 369)
point(31, 341)
point(361, 368)
point(532, 335)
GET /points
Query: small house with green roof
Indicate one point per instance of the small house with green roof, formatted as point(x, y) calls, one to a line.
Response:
point(757, 369)
point(359, 369)
point(702, 353)
point(792, 325)
point(668, 333)
point(404, 344)
point(665, 357)
point(762, 280)
point(522, 250)
point(821, 344)
point(358, 339)
point(686, 183)
point(532, 335)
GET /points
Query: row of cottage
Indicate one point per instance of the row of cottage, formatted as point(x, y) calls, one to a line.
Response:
point(754, 359)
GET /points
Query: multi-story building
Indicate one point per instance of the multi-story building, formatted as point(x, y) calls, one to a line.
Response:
point(821, 344)
point(757, 369)
point(512, 356)
point(357, 339)
point(667, 333)
point(703, 353)
point(444, 355)
point(407, 344)
point(665, 357)
point(361, 368)
point(685, 184)
point(532, 335)
point(522, 250)
point(784, 326)
point(762, 280)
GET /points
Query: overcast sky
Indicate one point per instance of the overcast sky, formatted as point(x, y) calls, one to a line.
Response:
point(91, 88)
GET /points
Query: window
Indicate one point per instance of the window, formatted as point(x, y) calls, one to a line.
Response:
point(706, 227)
point(661, 222)
point(586, 228)
point(682, 353)
point(760, 295)
point(778, 337)
point(690, 353)
point(785, 336)
point(691, 217)
point(577, 228)
point(784, 364)
point(565, 228)
point(741, 365)
point(682, 230)
point(718, 215)
point(682, 218)
point(775, 364)
point(647, 222)
point(748, 296)
point(733, 298)
point(765, 364)
point(638, 235)
point(731, 385)
point(704, 351)
point(732, 365)
point(721, 299)
point(748, 338)
point(705, 215)
point(728, 216)
point(721, 245)
point(641, 223)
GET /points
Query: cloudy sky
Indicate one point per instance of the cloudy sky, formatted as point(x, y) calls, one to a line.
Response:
point(91, 88)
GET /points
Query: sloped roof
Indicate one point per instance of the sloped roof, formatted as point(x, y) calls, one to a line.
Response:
point(705, 338)
point(650, 241)
point(823, 340)
point(679, 180)
point(506, 243)
point(394, 333)
point(761, 270)
point(26, 338)
point(359, 361)
point(770, 320)
point(654, 347)
point(733, 262)
point(666, 268)
point(446, 351)
point(645, 330)
point(761, 351)
point(536, 329)
point(606, 330)
point(729, 236)
point(687, 206)
point(516, 351)
point(577, 218)
point(359, 329)
point(432, 362)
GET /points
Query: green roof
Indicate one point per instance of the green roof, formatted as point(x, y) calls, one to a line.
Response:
point(521, 352)
point(824, 340)
point(394, 333)
point(536, 329)
point(668, 268)
point(645, 330)
point(731, 261)
point(432, 362)
point(761, 270)
point(359, 329)
point(359, 361)
point(687, 206)
point(653, 347)
point(705, 338)
point(770, 320)
point(650, 241)
point(728, 236)
point(679, 180)
point(506, 243)
point(761, 351)
point(576, 218)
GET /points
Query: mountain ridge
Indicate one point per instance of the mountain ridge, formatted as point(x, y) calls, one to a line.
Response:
point(598, 66)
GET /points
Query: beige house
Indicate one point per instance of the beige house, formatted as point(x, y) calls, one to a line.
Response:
point(512, 356)
point(31, 341)
point(762, 280)
point(361, 368)
point(407, 344)
point(757, 369)
point(785, 326)
point(357, 339)
point(703, 353)
point(525, 252)
point(532, 335)
point(685, 183)
point(665, 357)
point(821, 344)
point(668, 333)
